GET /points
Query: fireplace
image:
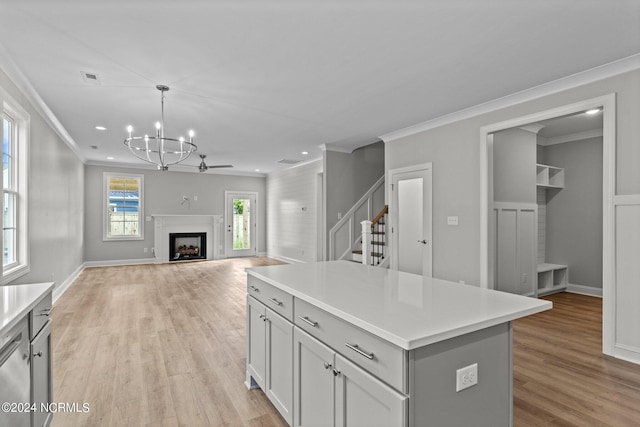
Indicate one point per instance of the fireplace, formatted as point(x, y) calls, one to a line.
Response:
point(187, 246)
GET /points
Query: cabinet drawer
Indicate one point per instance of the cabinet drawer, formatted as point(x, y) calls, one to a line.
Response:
point(39, 316)
point(274, 298)
point(381, 358)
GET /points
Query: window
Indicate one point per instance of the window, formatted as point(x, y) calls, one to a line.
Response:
point(15, 126)
point(123, 201)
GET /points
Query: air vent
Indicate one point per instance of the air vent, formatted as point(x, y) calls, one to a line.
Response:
point(91, 78)
point(288, 161)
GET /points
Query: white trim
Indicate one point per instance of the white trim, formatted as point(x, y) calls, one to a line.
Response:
point(611, 69)
point(327, 147)
point(578, 136)
point(608, 103)
point(630, 354)
point(58, 291)
point(627, 199)
point(286, 259)
point(123, 262)
point(584, 290)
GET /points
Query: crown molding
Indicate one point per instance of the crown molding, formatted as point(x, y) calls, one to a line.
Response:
point(602, 72)
point(24, 86)
point(533, 128)
point(327, 147)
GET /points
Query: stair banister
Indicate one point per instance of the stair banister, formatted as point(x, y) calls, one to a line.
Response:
point(367, 247)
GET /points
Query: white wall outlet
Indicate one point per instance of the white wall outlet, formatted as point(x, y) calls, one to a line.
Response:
point(145, 250)
point(339, 215)
point(452, 220)
point(195, 198)
point(466, 377)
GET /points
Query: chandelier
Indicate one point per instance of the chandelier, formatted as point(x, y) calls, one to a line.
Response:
point(159, 149)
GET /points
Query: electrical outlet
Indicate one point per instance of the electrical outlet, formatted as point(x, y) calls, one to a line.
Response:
point(466, 377)
point(452, 220)
point(145, 250)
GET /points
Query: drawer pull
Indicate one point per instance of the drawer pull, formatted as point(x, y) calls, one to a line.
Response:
point(355, 348)
point(45, 312)
point(263, 317)
point(327, 365)
point(38, 354)
point(305, 319)
point(275, 301)
point(253, 288)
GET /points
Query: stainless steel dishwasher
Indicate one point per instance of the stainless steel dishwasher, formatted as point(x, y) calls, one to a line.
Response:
point(15, 376)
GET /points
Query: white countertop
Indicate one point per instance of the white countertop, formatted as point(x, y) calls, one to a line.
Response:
point(407, 310)
point(18, 300)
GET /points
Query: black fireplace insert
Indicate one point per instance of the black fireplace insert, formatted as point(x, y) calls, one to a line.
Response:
point(187, 246)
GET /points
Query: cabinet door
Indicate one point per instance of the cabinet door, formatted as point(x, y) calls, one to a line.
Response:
point(363, 400)
point(41, 378)
point(257, 341)
point(279, 374)
point(313, 391)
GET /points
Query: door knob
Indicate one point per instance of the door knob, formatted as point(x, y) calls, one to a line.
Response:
point(424, 242)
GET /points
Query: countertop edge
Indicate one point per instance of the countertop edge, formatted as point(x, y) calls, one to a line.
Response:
point(25, 310)
point(392, 338)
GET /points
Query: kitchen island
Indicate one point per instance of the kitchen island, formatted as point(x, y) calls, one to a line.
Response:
point(339, 343)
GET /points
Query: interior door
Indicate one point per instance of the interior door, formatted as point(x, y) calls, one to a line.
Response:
point(410, 213)
point(241, 217)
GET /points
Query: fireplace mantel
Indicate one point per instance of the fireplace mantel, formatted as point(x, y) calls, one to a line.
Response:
point(165, 224)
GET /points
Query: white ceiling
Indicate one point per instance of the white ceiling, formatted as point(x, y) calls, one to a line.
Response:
point(264, 80)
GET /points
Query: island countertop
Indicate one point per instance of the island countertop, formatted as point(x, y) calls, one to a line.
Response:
point(407, 310)
point(18, 300)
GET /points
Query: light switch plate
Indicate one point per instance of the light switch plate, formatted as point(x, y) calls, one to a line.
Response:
point(452, 220)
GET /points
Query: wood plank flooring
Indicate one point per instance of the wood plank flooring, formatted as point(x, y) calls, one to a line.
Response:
point(164, 345)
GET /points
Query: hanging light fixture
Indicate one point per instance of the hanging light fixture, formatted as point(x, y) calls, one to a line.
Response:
point(159, 149)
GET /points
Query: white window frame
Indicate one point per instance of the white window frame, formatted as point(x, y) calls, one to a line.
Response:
point(20, 141)
point(106, 176)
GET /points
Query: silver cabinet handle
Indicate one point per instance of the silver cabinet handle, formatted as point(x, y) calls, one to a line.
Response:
point(424, 242)
point(275, 301)
point(45, 312)
point(38, 354)
point(327, 365)
point(336, 372)
point(305, 319)
point(253, 288)
point(355, 348)
point(263, 317)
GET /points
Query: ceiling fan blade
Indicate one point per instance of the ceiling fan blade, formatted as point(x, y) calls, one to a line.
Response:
point(220, 166)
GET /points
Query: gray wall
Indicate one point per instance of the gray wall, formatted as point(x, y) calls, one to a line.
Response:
point(454, 150)
point(347, 177)
point(56, 192)
point(514, 166)
point(163, 193)
point(574, 214)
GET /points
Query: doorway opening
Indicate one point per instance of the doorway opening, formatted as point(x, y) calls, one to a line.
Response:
point(487, 186)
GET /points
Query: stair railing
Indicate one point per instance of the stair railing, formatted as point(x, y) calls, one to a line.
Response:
point(344, 237)
point(374, 239)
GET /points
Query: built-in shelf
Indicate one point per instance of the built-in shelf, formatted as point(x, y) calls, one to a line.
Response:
point(552, 278)
point(549, 176)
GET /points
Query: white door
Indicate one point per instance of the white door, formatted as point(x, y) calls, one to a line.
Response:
point(240, 219)
point(410, 214)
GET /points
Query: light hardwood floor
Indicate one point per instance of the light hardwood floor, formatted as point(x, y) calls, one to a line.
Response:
point(164, 345)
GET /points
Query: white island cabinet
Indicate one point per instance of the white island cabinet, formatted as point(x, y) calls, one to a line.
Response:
point(352, 345)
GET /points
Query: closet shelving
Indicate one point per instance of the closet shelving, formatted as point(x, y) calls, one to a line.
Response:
point(549, 176)
point(552, 278)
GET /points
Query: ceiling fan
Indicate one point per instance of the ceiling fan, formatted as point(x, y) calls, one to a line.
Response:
point(203, 166)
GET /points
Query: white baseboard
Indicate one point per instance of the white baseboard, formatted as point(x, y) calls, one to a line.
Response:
point(584, 290)
point(59, 290)
point(119, 262)
point(286, 259)
point(630, 354)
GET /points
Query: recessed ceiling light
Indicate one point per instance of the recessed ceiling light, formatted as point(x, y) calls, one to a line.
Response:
point(257, 170)
point(110, 158)
point(101, 128)
point(305, 153)
point(593, 111)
